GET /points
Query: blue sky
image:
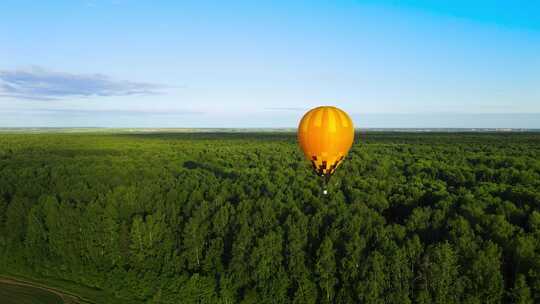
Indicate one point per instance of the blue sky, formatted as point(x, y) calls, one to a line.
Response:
point(122, 63)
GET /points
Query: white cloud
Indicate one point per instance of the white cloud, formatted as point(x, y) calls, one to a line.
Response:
point(42, 84)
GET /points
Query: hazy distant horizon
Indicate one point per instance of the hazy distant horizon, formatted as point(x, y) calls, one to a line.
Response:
point(288, 120)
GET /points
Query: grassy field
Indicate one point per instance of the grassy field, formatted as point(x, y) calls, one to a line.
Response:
point(69, 291)
point(17, 294)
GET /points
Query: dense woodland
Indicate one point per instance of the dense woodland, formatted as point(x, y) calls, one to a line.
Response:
point(240, 218)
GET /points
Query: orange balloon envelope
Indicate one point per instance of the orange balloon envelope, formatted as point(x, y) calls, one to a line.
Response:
point(325, 134)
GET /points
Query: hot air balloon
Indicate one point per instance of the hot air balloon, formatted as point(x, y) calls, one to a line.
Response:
point(325, 134)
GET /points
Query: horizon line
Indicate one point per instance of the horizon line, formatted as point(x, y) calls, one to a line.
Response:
point(251, 129)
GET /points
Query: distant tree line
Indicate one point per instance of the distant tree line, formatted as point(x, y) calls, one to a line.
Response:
point(240, 218)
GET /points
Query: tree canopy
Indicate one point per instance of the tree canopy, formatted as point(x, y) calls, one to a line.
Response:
point(239, 218)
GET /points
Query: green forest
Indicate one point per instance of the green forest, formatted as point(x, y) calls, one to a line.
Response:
point(241, 218)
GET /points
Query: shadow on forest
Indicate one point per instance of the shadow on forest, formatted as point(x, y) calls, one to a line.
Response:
point(262, 136)
point(217, 171)
point(50, 151)
point(361, 136)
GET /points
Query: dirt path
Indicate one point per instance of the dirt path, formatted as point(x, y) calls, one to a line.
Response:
point(68, 298)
